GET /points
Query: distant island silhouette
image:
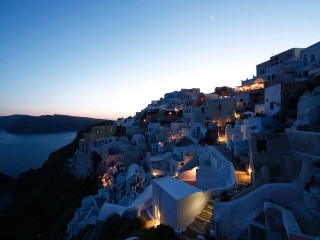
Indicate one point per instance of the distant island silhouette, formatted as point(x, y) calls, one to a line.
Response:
point(25, 124)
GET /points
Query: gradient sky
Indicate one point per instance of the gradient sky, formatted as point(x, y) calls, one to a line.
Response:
point(109, 59)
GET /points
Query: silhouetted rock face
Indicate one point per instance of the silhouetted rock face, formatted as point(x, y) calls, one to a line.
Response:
point(50, 124)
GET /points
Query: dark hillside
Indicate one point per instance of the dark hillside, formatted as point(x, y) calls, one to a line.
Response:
point(44, 199)
point(6, 121)
point(50, 124)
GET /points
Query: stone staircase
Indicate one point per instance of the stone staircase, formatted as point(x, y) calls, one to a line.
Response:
point(201, 223)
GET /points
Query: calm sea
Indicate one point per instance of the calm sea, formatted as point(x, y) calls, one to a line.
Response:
point(20, 152)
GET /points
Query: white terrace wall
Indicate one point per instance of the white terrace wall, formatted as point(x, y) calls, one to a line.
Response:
point(230, 215)
point(191, 206)
point(212, 178)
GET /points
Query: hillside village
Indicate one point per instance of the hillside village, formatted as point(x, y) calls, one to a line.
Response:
point(237, 163)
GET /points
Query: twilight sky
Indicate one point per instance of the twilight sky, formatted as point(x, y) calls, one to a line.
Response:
point(109, 59)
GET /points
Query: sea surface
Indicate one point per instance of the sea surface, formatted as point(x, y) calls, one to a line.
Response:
point(20, 152)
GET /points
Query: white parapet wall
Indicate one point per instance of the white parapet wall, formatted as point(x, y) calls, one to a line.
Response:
point(217, 172)
point(230, 216)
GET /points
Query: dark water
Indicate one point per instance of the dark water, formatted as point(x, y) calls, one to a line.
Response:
point(20, 152)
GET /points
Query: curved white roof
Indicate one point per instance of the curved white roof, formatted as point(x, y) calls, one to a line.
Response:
point(133, 169)
point(108, 209)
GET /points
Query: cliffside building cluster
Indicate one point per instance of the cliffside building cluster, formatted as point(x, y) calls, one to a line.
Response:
point(238, 163)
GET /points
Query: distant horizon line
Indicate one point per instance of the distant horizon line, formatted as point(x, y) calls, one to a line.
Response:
point(100, 118)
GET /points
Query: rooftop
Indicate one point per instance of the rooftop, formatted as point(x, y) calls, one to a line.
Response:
point(220, 99)
point(176, 188)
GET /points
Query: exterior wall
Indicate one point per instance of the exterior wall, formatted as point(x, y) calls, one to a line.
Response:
point(166, 205)
point(111, 141)
point(242, 100)
point(230, 215)
point(284, 157)
point(198, 114)
point(82, 164)
point(188, 175)
point(259, 108)
point(193, 92)
point(187, 112)
point(309, 112)
point(84, 143)
point(184, 155)
point(176, 126)
point(305, 143)
point(221, 109)
point(270, 159)
point(309, 59)
point(275, 142)
point(261, 124)
point(277, 59)
point(138, 139)
point(153, 127)
point(236, 133)
point(189, 207)
point(224, 178)
point(100, 132)
point(132, 157)
point(119, 122)
point(113, 158)
point(219, 173)
point(198, 131)
point(272, 100)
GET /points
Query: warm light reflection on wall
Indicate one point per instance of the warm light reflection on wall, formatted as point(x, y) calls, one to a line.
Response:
point(157, 213)
point(222, 139)
point(251, 87)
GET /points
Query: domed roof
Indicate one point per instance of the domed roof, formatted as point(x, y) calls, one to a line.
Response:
point(316, 91)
